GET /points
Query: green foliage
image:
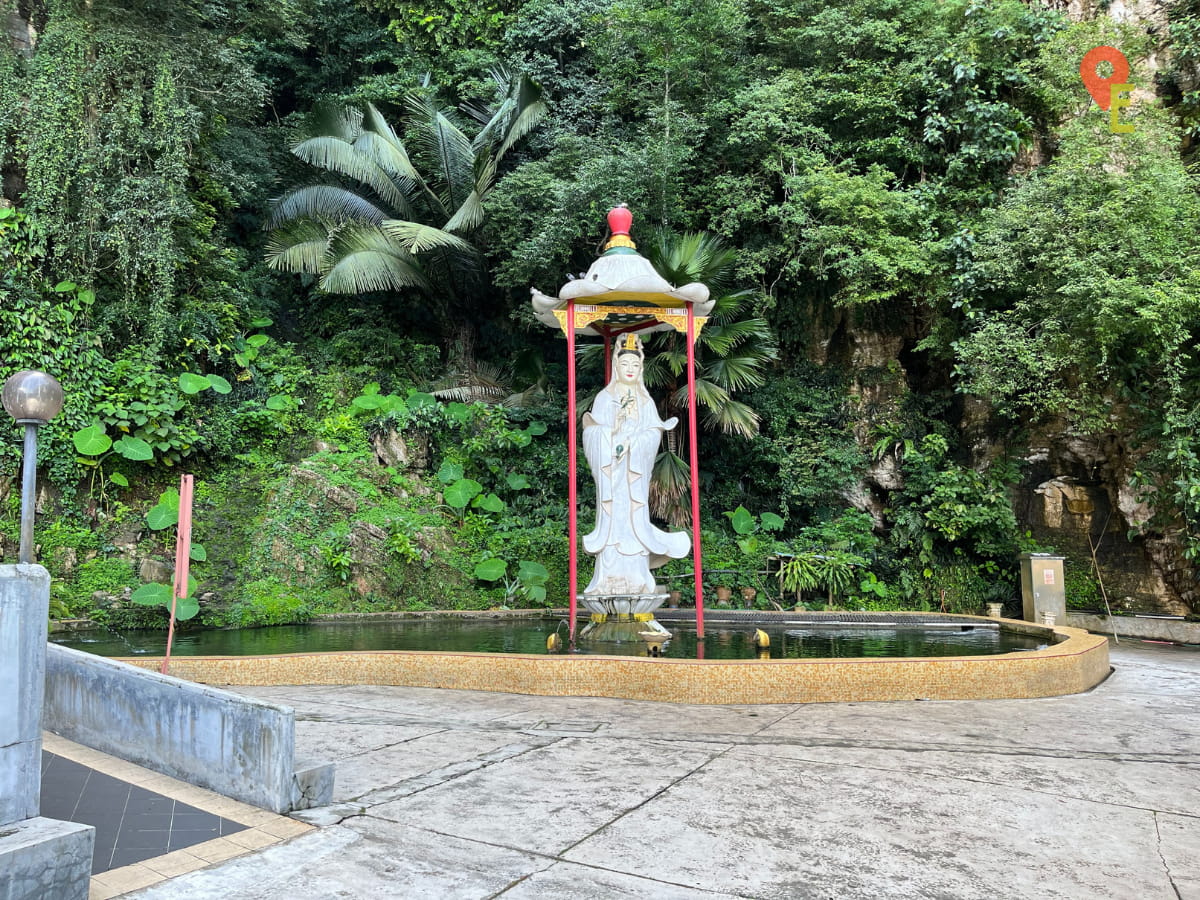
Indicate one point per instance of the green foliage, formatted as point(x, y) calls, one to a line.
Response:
point(1101, 245)
point(529, 582)
point(1081, 588)
point(396, 229)
point(1185, 62)
point(43, 326)
point(955, 528)
point(104, 575)
point(830, 559)
point(159, 595)
point(121, 117)
point(260, 603)
point(807, 456)
point(751, 540)
point(929, 176)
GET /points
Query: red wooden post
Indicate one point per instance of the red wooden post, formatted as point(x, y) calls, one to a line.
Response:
point(694, 464)
point(572, 509)
point(183, 551)
point(607, 355)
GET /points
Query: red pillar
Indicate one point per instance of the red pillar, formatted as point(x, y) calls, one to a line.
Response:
point(607, 356)
point(572, 438)
point(693, 463)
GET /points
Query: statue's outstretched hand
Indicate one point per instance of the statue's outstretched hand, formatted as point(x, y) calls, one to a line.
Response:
point(670, 423)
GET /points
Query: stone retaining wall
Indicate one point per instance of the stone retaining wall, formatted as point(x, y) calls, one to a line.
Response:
point(1150, 629)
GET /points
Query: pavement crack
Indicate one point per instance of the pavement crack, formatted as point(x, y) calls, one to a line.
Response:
point(1004, 785)
point(972, 749)
point(550, 861)
point(554, 859)
point(410, 786)
point(1166, 867)
point(717, 755)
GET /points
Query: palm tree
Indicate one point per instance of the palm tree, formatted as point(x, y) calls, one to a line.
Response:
point(732, 354)
point(378, 224)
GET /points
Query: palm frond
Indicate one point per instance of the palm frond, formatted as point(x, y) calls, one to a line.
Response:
point(417, 238)
point(298, 247)
point(737, 372)
point(364, 259)
point(694, 256)
point(657, 370)
point(514, 117)
point(590, 358)
point(388, 150)
point(730, 303)
point(324, 203)
point(469, 214)
point(491, 118)
point(675, 359)
point(732, 417)
point(335, 155)
point(336, 121)
point(529, 110)
point(447, 147)
point(670, 480)
point(483, 383)
point(722, 338)
point(707, 394)
point(710, 394)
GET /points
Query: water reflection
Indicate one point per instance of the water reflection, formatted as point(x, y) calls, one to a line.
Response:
point(530, 635)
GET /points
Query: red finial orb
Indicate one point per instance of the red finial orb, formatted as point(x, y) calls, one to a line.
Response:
point(619, 219)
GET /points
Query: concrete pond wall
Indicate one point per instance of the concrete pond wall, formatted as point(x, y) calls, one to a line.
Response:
point(234, 745)
point(1149, 628)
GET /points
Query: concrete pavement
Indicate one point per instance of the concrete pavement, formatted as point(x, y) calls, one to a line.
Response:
point(447, 794)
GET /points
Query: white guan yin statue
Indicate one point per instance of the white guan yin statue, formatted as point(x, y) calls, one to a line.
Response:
point(621, 436)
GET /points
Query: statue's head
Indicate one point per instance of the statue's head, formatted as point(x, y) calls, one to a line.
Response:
point(629, 367)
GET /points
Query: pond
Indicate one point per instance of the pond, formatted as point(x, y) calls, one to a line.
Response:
point(789, 640)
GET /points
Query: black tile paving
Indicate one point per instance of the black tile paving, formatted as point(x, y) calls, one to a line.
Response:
point(132, 824)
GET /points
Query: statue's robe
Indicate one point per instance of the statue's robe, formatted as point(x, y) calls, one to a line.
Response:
point(625, 543)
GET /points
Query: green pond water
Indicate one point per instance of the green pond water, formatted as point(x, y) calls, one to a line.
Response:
point(788, 641)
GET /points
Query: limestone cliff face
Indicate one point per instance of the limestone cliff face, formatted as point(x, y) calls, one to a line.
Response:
point(1075, 493)
point(21, 33)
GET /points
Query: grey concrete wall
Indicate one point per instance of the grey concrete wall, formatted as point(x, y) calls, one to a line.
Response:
point(24, 603)
point(1136, 627)
point(237, 746)
point(43, 858)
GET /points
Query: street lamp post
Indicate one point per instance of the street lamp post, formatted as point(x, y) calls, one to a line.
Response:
point(33, 399)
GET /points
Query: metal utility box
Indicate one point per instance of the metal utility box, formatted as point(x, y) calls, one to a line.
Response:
point(1042, 588)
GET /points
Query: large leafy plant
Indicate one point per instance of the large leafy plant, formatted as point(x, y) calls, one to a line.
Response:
point(733, 351)
point(394, 214)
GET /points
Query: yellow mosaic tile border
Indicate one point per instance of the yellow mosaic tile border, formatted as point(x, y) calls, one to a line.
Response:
point(1078, 662)
point(262, 828)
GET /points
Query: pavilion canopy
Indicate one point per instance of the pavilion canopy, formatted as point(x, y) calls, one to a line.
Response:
point(623, 279)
